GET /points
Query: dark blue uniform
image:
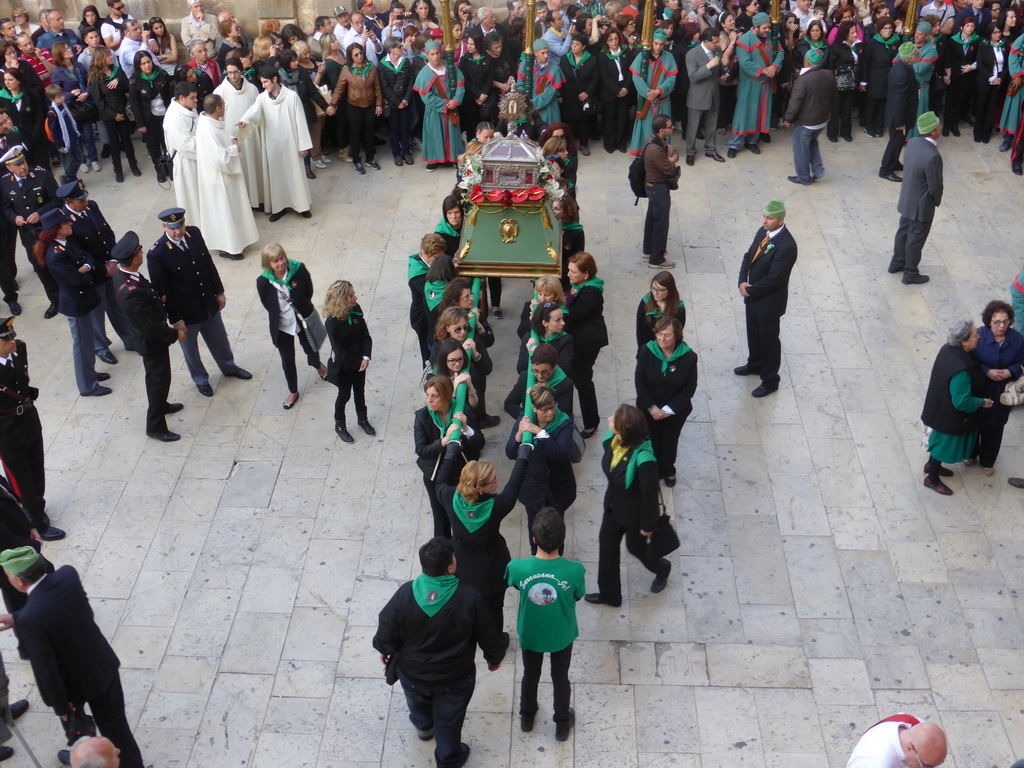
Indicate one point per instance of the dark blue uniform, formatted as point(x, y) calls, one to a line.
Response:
point(79, 301)
point(21, 437)
point(37, 193)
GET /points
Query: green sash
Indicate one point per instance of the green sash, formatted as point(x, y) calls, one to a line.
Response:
point(443, 426)
point(557, 377)
point(351, 312)
point(432, 592)
point(679, 351)
point(559, 419)
point(572, 225)
point(444, 228)
point(960, 41)
point(293, 267)
point(552, 337)
point(640, 455)
point(594, 282)
point(391, 67)
point(577, 64)
point(473, 516)
point(417, 267)
point(433, 292)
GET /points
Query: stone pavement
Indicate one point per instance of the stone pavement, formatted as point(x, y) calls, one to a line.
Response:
point(819, 587)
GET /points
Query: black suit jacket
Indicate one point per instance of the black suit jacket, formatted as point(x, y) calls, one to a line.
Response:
point(636, 506)
point(92, 232)
point(300, 291)
point(37, 194)
point(585, 321)
point(71, 660)
point(987, 67)
point(901, 104)
point(769, 274)
point(78, 296)
point(189, 281)
point(18, 431)
point(144, 308)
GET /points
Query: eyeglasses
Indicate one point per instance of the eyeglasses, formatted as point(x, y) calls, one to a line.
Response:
point(669, 334)
point(460, 328)
point(920, 762)
point(118, 7)
point(455, 361)
point(1000, 322)
point(544, 409)
point(658, 289)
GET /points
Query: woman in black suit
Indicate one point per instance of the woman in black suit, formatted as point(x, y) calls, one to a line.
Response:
point(351, 347)
point(662, 301)
point(285, 289)
point(879, 52)
point(843, 58)
point(475, 509)
point(549, 479)
point(544, 366)
point(666, 378)
point(546, 288)
point(585, 322)
point(580, 90)
point(991, 79)
point(617, 91)
point(574, 239)
point(630, 505)
point(547, 327)
point(961, 52)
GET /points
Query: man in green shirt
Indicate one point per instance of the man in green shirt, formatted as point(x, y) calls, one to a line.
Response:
point(549, 588)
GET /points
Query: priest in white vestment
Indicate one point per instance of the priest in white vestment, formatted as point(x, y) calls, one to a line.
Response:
point(226, 218)
point(239, 94)
point(180, 137)
point(285, 142)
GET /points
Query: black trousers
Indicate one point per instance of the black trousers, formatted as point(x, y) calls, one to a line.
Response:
point(664, 436)
point(609, 541)
point(764, 349)
point(494, 291)
point(154, 137)
point(108, 711)
point(986, 101)
point(158, 385)
point(285, 344)
point(532, 664)
point(25, 469)
point(990, 440)
point(874, 114)
point(958, 97)
point(841, 121)
point(659, 205)
point(893, 149)
point(442, 525)
point(29, 235)
point(120, 136)
point(615, 116)
point(906, 249)
point(347, 382)
point(8, 262)
point(360, 132)
point(582, 374)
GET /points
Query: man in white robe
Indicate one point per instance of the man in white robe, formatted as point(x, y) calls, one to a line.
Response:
point(180, 137)
point(285, 142)
point(239, 94)
point(223, 199)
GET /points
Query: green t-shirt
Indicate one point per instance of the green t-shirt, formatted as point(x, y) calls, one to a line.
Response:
point(548, 591)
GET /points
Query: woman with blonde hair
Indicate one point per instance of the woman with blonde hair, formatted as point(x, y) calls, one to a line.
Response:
point(548, 288)
point(351, 346)
point(285, 288)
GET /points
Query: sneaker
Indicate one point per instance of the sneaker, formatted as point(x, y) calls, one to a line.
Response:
point(662, 265)
point(95, 165)
point(86, 168)
point(319, 164)
point(325, 158)
point(431, 167)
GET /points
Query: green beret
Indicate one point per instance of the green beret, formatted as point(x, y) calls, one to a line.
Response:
point(760, 18)
point(925, 27)
point(927, 123)
point(775, 208)
point(17, 561)
point(814, 57)
point(661, 34)
point(907, 50)
point(540, 44)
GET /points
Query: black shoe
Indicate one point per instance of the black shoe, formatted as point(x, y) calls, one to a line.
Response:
point(306, 214)
point(834, 140)
point(343, 433)
point(917, 279)
point(490, 421)
point(764, 390)
point(955, 131)
point(598, 599)
point(660, 581)
point(798, 180)
point(205, 389)
point(498, 314)
point(51, 534)
point(746, 370)
point(102, 376)
point(170, 408)
point(894, 268)
point(1005, 146)
point(367, 427)
point(359, 168)
point(98, 392)
point(135, 170)
point(277, 216)
point(6, 753)
point(893, 177)
point(731, 153)
point(1017, 170)
point(373, 164)
point(19, 708)
point(51, 311)
point(289, 405)
point(670, 481)
point(754, 148)
point(563, 729)
point(585, 151)
point(407, 159)
point(15, 307)
point(119, 177)
point(164, 437)
point(107, 357)
point(526, 721)
point(464, 758)
point(398, 162)
point(64, 757)
point(240, 373)
point(104, 154)
point(232, 256)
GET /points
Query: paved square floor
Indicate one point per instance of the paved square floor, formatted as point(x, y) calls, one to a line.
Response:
point(819, 587)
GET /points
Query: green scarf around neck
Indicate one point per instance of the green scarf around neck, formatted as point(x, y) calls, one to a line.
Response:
point(293, 267)
point(362, 72)
point(594, 282)
point(151, 77)
point(441, 425)
point(1000, 44)
point(639, 455)
point(678, 352)
point(352, 312)
point(444, 228)
point(391, 67)
point(893, 39)
point(572, 225)
point(657, 311)
point(819, 44)
point(559, 419)
point(417, 267)
point(557, 377)
point(473, 516)
point(576, 64)
point(10, 96)
point(433, 592)
point(433, 292)
point(957, 38)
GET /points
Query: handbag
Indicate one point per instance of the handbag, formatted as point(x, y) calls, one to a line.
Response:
point(845, 80)
point(664, 539)
point(78, 725)
point(166, 164)
point(333, 371)
point(314, 329)
point(391, 669)
point(577, 447)
point(83, 112)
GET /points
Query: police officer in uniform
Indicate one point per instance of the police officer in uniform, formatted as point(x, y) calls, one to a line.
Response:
point(92, 233)
point(27, 193)
point(151, 334)
point(21, 434)
point(183, 271)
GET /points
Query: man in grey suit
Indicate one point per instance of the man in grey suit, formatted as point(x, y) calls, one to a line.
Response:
point(704, 65)
point(810, 106)
point(920, 194)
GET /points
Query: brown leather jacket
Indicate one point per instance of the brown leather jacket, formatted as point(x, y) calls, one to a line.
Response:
point(362, 90)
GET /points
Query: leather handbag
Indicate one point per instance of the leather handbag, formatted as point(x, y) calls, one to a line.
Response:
point(664, 539)
point(577, 447)
point(314, 329)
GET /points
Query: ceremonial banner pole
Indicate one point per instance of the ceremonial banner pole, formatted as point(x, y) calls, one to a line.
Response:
point(646, 41)
point(531, 22)
point(910, 21)
point(776, 19)
point(448, 39)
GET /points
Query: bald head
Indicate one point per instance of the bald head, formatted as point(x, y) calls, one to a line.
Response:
point(95, 752)
point(928, 741)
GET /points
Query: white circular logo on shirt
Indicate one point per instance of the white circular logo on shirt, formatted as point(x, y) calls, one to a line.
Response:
point(542, 594)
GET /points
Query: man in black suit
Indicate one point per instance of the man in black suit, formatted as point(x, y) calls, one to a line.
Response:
point(900, 109)
point(183, 271)
point(21, 434)
point(764, 286)
point(93, 234)
point(26, 193)
point(151, 334)
point(978, 13)
point(920, 196)
point(72, 661)
point(9, 137)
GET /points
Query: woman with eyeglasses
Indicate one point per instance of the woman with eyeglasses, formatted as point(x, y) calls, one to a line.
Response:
point(475, 510)
point(454, 324)
point(546, 371)
point(662, 301)
point(433, 428)
point(548, 288)
point(547, 327)
point(585, 322)
point(666, 378)
point(550, 481)
point(451, 362)
point(630, 505)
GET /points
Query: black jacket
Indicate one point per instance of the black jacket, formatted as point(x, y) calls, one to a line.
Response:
point(309, 95)
point(71, 659)
point(479, 74)
point(645, 324)
point(674, 387)
point(141, 93)
point(875, 62)
point(438, 651)
point(31, 118)
point(610, 79)
point(78, 296)
point(151, 333)
point(350, 339)
point(300, 291)
point(636, 506)
point(585, 78)
point(110, 102)
point(395, 87)
point(550, 481)
point(190, 281)
point(585, 320)
point(18, 430)
point(514, 401)
point(987, 67)
point(427, 439)
point(954, 56)
point(939, 413)
point(769, 275)
point(38, 194)
point(901, 103)
point(92, 232)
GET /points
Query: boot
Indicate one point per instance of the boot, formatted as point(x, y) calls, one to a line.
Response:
point(365, 424)
point(339, 428)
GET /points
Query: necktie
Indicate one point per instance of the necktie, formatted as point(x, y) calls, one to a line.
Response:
point(759, 250)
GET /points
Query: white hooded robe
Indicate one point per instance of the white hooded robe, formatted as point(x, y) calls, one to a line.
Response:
point(180, 137)
point(226, 218)
point(285, 134)
point(236, 103)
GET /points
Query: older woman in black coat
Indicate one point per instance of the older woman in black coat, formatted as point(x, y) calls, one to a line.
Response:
point(616, 90)
point(875, 63)
point(585, 322)
point(285, 289)
point(580, 91)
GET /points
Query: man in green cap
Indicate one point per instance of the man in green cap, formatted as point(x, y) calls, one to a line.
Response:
point(547, 82)
point(442, 136)
point(920, 194)
point(72, 661)
point(764, 286)
point(927, 58)
point(900, 110)
point(810, 106)
point(653, 90)
point(1010, 118)
point(759, 64)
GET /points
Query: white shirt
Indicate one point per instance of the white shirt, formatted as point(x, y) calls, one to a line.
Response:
point(286, 321)
point(33, 586)
point(109, 30)
point(998, 53)
point(879, 747)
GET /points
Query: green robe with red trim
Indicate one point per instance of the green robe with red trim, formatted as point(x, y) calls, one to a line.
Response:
point(546, 85)
point(754, 93)
point(442, 134)
point(923, 72)
point(661, 73)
